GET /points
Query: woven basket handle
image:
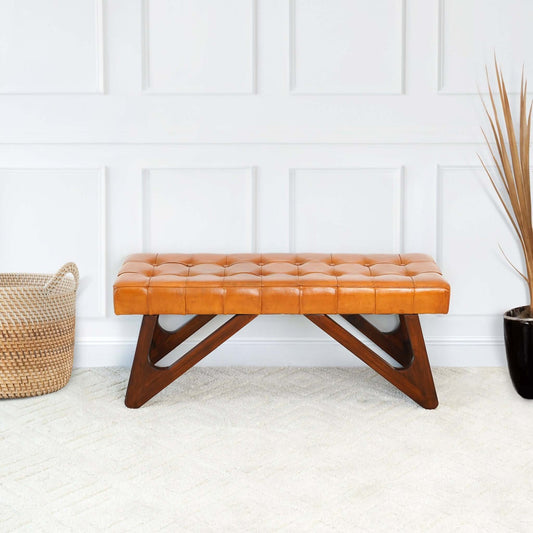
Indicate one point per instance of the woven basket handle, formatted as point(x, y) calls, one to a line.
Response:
point(67, 268)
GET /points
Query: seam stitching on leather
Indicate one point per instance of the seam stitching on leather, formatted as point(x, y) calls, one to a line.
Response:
point(261, 262)
point(300, 291)
point(148, 303)
point(224, 290)
point(187, 286)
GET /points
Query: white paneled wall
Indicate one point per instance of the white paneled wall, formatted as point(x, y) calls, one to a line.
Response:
point(257, 125)
point(334, 52)
point(480, 29)
point(199, 47)
point(199, 209)
point(51, 47)
point(471, 227)
point(325, 202)
point(49, 215)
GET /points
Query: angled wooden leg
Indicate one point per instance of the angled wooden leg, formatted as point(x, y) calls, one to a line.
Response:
point(414, 380)
point(164, 342)
point(146, 379)
point(420, 368)
point(395, 343)
point(140, 359)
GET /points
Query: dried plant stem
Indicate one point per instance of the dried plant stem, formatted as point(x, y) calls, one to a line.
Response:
point(511, 160)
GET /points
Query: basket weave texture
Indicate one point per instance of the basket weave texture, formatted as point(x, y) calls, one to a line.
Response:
point(37, 318)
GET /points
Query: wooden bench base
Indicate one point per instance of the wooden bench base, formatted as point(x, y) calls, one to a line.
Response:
point(405, 345)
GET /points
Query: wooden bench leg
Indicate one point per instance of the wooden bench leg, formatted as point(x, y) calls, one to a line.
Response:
point(406, 345)
point(146, 379)
point(395, 343)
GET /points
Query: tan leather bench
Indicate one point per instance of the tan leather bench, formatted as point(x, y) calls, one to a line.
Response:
point(314, 285)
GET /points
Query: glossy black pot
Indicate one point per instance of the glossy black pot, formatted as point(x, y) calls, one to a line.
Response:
point(518, 334)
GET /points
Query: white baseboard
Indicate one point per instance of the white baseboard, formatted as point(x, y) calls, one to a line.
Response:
point(448, 351)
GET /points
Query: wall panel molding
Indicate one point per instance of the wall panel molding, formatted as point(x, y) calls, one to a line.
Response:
point(147, 85)
point(214, 221)
point(395, 230)
point(440, 48)
point(396, 87)
point(102, 237)
point(485, 24)
point(69, 220)
point(99, 65)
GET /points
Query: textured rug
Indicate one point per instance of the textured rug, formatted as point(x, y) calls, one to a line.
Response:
point(277, 449)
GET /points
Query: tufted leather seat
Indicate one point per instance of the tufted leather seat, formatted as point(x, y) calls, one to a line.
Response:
point(153, 284)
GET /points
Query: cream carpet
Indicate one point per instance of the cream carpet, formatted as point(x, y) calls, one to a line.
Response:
point(277, 449)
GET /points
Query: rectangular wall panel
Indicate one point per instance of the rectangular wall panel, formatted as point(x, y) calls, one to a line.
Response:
point(51, 216)
point(471, 229)
point(51, 47)
point(199, 46)
point(333, 51)
point(199, 210)
point(472, 33)
point(346, 210)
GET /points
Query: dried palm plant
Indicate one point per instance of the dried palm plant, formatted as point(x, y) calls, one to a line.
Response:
point(511, 161)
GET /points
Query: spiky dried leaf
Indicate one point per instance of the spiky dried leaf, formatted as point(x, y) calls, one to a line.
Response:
point(511, 159)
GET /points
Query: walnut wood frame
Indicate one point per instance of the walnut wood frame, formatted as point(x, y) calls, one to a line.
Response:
point(405, 345)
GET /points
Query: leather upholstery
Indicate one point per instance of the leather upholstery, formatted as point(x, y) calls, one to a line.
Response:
point(153, 284)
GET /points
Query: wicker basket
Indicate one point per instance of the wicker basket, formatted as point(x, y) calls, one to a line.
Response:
point(37, 315)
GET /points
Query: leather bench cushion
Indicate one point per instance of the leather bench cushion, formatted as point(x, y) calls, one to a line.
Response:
point(153, 284)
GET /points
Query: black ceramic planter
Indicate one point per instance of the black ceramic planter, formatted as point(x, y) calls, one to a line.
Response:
point(518, 334)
